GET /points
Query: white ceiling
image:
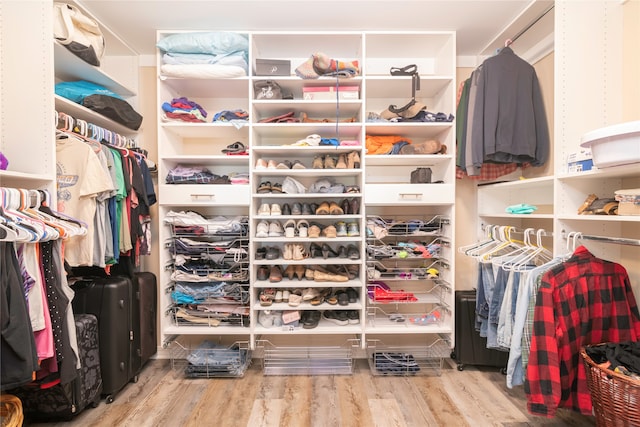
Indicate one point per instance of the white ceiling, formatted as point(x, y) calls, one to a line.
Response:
point(481, 25)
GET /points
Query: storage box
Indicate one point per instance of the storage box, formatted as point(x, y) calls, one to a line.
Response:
point(580, 161)
point(628, 201)
point(273, 67)
point(614, 145)
point(328, 93)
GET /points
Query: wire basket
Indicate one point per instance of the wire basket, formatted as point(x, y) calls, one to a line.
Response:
point(615, 397)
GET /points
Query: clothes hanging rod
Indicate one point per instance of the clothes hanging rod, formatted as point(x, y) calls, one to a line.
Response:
point(543, 233)
point(605, 239)
point(535, 21)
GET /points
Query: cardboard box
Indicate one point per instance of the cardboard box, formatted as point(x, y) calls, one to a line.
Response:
point(614, 145)
point(628, 201)
point(273, 67)
point(328, 93)
point(580, 161)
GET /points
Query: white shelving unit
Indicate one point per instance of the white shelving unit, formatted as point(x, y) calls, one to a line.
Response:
point(381, 180)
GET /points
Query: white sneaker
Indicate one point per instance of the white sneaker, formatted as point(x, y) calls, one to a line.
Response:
point(264, 209)
point(275, 210)
point(262, 230)
point(275, 229)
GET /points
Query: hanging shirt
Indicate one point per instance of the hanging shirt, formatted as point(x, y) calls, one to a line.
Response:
point(585, 300)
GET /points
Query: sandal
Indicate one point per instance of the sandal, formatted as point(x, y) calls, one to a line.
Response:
point(276, 187)
point(323, 209)
point(335, 209)
point(236, 147)
point(264, 187)
point(267, 296)
point(290, 228)
point(303, 228)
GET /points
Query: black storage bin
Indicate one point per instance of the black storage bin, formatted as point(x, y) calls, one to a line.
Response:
point(470, 347)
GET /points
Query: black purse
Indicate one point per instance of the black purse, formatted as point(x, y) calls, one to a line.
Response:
point(421, 176)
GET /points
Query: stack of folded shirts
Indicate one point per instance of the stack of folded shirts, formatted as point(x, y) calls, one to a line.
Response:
point(185, 110)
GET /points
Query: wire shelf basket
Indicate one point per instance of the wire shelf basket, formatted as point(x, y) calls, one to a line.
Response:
point(311, 360)
point(194, 317)
point(210, 360)
point(406, 360)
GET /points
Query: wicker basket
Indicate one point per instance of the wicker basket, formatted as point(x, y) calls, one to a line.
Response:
point(615, 397)
point(10, 411)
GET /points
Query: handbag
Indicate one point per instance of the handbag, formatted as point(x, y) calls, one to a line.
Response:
point(78, 33)
point(421, 176)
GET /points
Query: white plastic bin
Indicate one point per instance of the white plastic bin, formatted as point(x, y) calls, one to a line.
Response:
point(614, 145)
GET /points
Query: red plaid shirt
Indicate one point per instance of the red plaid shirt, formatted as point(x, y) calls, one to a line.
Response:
point(585, 300)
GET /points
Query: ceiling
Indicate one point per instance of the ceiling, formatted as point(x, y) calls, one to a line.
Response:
point(479, 25)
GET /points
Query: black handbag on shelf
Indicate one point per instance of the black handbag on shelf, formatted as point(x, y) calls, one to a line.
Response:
point(116, 109)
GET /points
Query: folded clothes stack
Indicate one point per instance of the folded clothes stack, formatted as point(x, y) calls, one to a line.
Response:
point(185, 110)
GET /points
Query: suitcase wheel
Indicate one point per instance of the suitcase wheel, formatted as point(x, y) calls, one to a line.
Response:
point(460, 367)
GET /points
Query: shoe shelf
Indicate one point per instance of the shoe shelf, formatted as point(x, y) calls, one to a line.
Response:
point(210, 360)
point(207, 273)
point(397, 360)
point(279, 359)
point(390, 321)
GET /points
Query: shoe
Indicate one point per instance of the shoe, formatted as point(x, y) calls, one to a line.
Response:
point(285, 164)
point(309, 274)
point(276, 187)
point(264, 209)
point(329, 231)
point(273, 252)
point(290, 228)
point(314, 231)
point(294, 299)
point(313, 207)
point(285, 295)
point(334, 209)
point(261, 164)
point(353, 317)
point(272, 164)
point(287, 252)
point(264, 187)
point(323, 209)
point(296, 209)
point(275, 209)
point(345, 207)
point(290, 271)
point(317, 163)
point(267, 296)
point(312, 319)
point(328, 252)
point(309, 294)
point(342, 162)
point(286, 209)
point(263, 272)
point(275, 274)
point(342, 251)
point(353, 160)
point(299, 271)
point(354, 206)
point(278, 297)
point(315, 250)
point(262, 229)
point(353, 295)
point(341, 229)
point(306, 209)
point(303, 228)
point(299, 252)
point(353, 229)
point(297, 164)
point(329, 162)
point(343, 298)
point(275, 229)
point(261, 252)
point(338, 317)
point(353, 252)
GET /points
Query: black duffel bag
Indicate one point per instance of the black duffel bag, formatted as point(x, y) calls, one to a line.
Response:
point(118, 110)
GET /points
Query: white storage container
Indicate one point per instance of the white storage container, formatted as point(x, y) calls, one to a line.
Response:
point(614, 145)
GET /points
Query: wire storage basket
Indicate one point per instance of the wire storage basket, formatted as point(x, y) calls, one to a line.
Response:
point(615, 397)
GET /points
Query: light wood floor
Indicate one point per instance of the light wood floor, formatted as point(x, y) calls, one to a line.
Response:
point(474, 397)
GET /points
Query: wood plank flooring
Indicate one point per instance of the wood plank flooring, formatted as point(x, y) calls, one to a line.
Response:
point(475, 397)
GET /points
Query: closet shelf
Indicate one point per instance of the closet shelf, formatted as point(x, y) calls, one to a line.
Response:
point(423, 160)
point(624, 171)
point(18, 179)
point(69, 67)
point(296, 131)
point(521, 184)
point(207, 88)
point(201, 159)
point(203, 130)
point(600, 218)
point(507, 215)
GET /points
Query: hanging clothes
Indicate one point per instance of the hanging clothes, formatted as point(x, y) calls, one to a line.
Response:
point(509, 122)
point(584, 300)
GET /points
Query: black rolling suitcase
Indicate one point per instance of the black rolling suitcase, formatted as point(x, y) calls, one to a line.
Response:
point(470, 347)
point(144, 315)
point(110, 300)
point(47, 400)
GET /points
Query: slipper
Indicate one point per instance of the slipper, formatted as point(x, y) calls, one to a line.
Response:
point(276, 187)
point(264, 187)
point(314, 231)
point(323, 209)
point(236, 147)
